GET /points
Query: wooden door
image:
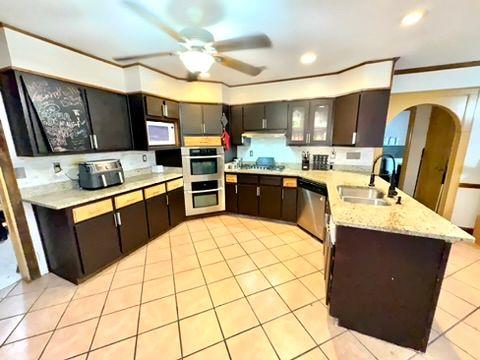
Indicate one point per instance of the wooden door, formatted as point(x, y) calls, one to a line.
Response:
point(289, 204)
point(345, 120)
point(247, 199)
point(297, 124)
point(191, 119)
point(231, 198)
point(157, 215)
point(253, 115)
point(97, 252)
point(176, 206)
point(154, 106)
point(236, 124)
point(436, 154)
point(320, 122)
point(133, 226)
point(372, 118)
point(276, 114)
point(270, 202)
point(110, 120)
point(211, 119)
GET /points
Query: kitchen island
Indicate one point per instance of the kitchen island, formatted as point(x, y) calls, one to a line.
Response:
point(384, 265)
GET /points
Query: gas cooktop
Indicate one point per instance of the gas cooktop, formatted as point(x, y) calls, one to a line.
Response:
point(260, 167)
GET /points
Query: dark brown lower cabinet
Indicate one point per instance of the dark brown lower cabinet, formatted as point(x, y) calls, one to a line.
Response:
point(132, 224)
point(231, 198)
point(289, 204)
point(270, 202)
point(247, 199)
point(94, 253)
point(157, 215)
point(176, 206)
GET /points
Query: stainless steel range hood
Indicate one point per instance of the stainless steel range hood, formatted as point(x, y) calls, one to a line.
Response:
point(264, 134)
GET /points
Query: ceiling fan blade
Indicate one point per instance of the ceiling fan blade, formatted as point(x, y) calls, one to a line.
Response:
point(144, 56)
point(153, 19)
point(243, 43)
point(239, 65)
point(192, 76)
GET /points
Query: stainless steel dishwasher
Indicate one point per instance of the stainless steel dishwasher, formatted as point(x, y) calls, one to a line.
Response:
point(311, 205)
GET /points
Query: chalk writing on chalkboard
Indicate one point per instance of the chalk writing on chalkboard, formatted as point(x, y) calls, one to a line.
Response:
point(61, 111)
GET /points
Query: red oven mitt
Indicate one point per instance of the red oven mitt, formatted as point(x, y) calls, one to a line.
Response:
point(226, 140)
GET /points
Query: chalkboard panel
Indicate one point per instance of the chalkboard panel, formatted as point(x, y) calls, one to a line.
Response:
point(61, 111)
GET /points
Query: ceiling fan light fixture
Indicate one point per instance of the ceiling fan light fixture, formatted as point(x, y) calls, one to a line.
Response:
point(413, 17)
point(197, 61)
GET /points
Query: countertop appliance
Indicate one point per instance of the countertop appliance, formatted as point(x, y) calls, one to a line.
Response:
point(100, 174)
point(311, 207)
point(203, 172)
point(305, 160)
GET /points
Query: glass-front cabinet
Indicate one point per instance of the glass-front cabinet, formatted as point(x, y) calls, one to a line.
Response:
point(310, 122)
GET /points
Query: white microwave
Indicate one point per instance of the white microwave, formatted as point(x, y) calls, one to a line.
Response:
point(161, 133)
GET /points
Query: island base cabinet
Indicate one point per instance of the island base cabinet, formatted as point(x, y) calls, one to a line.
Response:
point(176, 206)
point(157, 214)
point(132, 224)
point(247, 199)
point(395, 279)
point(97, 253)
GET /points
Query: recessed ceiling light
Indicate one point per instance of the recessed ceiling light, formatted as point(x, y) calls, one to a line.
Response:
point(413, 17)
point(308, 58)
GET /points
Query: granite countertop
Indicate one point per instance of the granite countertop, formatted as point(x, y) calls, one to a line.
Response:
point(411, 217)
point(64, 195)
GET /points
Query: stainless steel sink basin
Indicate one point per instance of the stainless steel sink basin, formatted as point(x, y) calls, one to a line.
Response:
point(363, 192)
point(362, 195)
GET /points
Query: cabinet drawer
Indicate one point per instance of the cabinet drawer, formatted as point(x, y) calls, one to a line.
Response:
point(247, 179)
point(197, 141)
point(271, 180)
point(290, 182)
point(128, 199)
point(174, 184)
point(231, 178)
point(89, 211)
point(154, 191)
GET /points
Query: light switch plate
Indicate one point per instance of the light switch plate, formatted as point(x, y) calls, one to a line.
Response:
point(20, 173)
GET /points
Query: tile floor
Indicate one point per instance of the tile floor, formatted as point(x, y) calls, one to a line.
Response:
point(219, 288)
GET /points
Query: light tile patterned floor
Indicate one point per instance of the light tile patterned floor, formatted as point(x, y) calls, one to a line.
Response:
point(218, 288)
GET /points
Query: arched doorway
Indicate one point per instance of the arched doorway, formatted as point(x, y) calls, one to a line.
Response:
point(424, 139)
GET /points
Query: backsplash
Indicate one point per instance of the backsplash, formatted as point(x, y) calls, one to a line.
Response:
point(343, 157)
point(39, 170)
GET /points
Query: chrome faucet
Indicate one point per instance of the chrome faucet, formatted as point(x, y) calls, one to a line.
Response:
point(391, 189)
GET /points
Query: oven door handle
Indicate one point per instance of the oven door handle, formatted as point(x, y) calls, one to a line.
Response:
point(203, 157)
point(204, 191)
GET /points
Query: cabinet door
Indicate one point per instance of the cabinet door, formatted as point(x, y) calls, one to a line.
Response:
point(231, 197)
point(110, 120)
point(133, 226)
point(297, 123)
point(171, 109)
point(276, 114)
point(154, 106)
point(157, 215)
point(345, 119)
point(289, 204)
point(270, 202)
point(94, 253)
point(211, 119)
point(176, 206)
point(236, 124)
point(247, 199)
point(320, 122)
point(253, 115)
point(372, 117)
point(191, 119)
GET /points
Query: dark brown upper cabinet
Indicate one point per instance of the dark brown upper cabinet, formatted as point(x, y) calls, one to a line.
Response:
point(201, 119)
point(269, 116)
point(310, 122)
point(161, 107)
point(236, 124)
point(360, 119)
point(110, 120)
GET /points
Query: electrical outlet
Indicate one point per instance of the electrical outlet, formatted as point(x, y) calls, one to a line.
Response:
point(251, 152)
point(144, 157)
point(57, 168)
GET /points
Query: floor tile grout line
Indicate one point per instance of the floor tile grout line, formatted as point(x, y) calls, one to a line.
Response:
point(361, 343)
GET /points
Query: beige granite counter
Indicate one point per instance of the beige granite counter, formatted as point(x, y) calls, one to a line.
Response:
point(60, 196)
point(411, 217)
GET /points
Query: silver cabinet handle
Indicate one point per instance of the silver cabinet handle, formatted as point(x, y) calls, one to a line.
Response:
point(92, 145)
point(266, 124)
point(167, 199)
point(354, 138)
point(258, 190)
point(115, 219)
point(95, 141)
point(308, 138)
point(236, 189)
point(119, 219)
point(203, 128)
point(165, 110)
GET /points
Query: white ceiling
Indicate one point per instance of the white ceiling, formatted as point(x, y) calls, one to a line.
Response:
point(343, 32)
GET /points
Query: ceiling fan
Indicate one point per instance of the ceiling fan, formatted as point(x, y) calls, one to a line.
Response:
point(198, 49)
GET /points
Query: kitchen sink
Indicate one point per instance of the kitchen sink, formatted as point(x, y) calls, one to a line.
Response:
point(362, 195)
